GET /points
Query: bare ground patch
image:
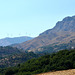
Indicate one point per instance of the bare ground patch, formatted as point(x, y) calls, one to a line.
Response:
point(63, 72)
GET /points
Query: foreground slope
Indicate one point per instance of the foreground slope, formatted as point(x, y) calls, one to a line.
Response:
point(61, 60)
point(64, 72)
point(63, 32)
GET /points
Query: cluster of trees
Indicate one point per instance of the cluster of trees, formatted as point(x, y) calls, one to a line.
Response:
point(7, 50)
point(61, 60)
point(15, 59)
point(10, 56)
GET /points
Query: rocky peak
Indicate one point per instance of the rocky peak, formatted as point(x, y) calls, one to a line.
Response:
point(67, 24)
point(68, 18)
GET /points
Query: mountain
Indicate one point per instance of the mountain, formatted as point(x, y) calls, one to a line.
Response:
point(15, 40)
point(63, 32)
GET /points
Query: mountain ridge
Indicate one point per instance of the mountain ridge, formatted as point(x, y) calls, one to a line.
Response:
point(63, 32)
point(8, 41)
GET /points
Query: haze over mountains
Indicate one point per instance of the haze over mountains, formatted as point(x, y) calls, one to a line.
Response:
point(8, 41)
point(63, 32)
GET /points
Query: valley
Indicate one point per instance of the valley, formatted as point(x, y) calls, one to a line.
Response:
point(48, 53)
point(37, 37)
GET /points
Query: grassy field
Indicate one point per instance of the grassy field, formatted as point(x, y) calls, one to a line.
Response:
point(63, 72)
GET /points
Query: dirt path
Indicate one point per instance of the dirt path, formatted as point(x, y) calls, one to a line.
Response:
point(64, 72)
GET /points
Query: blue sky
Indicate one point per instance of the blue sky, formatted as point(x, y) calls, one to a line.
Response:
point(32, 17)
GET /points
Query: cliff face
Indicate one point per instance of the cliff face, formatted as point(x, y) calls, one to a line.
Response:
point(63, 32)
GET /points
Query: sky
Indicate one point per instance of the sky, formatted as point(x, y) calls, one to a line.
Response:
point(32, 17)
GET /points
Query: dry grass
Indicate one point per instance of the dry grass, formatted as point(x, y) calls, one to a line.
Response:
point(64, 72)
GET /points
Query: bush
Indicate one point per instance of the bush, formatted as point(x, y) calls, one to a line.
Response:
point(9, 72)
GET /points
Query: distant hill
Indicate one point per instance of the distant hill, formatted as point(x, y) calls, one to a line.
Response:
point(63, 32)
point(15, 40)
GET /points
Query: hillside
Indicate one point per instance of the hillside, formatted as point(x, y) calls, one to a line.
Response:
point(61, 60)
point(64, 72)
point(63, 32)
point(15, 40)
point(10, 56)
point(5, 51)
point(15, 59)
point(56, 47)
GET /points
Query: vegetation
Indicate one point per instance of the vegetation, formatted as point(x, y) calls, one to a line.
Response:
point(16, 59)
point(61, 60)
point(10, 56)
point(7, 50)
point(56, 47)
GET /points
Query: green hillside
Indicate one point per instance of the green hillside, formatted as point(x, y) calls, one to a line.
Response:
point(61, 60)
point(10, 56)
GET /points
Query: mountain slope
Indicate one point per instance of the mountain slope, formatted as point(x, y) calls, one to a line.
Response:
point(63, 32)
point(9, 41)
point(56, 47)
